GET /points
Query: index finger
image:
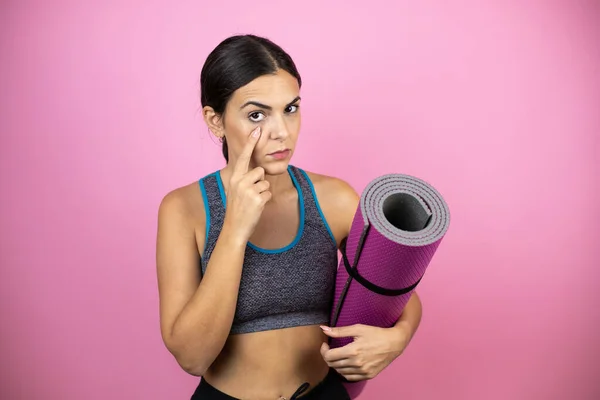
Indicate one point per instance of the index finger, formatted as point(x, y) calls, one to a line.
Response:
point(243, 161)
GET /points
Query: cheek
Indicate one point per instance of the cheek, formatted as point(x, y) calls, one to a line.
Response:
point(293, 124)
point(295, 128)
point(237, 132)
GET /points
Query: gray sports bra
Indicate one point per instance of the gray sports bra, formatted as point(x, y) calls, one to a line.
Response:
point(286, 287)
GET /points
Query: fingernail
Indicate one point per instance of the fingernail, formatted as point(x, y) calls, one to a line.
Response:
point(256, 132)
point(325, 328)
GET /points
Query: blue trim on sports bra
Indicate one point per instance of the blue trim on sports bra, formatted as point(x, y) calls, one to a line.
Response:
point(206, 210)
point(314, 194)
point(300, 228)
point(221, 188)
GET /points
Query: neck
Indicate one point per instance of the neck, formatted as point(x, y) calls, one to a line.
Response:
point(280, 184)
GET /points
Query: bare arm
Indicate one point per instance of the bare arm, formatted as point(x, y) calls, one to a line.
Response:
point(409, 321)
point(196, 314)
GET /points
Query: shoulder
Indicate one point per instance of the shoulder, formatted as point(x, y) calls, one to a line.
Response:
point(338, 201)
point(182, 206)
point(334, 189)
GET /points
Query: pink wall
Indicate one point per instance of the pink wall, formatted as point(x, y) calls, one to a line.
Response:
point(496, 105)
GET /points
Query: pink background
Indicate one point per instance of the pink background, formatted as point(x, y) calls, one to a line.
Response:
point(494, 103)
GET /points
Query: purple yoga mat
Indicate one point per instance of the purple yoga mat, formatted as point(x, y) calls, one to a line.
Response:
point(397, 229)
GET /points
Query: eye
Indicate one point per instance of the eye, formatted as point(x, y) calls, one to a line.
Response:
point(291, 109)
point(256, 116)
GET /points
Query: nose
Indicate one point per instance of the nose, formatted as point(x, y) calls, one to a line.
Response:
point(278, 129)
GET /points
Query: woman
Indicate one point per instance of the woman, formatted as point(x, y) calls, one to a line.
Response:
point(247, 256)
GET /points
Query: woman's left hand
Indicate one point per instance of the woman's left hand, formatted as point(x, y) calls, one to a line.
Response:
point(372, 350)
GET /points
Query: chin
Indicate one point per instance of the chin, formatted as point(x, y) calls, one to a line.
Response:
point(276, 167)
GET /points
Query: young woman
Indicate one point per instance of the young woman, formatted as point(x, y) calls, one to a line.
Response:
point(247, 256)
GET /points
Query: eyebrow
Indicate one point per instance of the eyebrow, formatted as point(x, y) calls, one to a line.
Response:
point(266, 107)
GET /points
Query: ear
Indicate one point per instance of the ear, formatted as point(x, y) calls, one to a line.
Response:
point(213, 121)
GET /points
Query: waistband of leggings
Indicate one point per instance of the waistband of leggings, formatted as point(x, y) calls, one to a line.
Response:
point(312, 391)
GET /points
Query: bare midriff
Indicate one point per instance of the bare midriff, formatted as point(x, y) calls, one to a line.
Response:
point(269, 365)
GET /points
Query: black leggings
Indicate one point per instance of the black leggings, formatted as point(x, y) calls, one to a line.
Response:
point(330, 388)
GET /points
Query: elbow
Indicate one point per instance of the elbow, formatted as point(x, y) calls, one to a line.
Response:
point(194, 366)
point(191, 365)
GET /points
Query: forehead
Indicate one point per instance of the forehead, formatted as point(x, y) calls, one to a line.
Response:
point(272, 89)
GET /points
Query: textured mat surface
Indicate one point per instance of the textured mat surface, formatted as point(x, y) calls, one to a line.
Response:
point(396, 231)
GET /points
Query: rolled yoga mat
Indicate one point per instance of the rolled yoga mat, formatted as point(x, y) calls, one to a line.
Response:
point(396, 230)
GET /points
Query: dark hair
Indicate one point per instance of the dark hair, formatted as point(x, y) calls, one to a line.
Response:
point(234, 63)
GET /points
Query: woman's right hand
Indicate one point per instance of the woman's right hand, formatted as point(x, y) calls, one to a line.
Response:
point(247, 194)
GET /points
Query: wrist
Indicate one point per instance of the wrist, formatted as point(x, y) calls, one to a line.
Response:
point(400, 336)
point(232, 235)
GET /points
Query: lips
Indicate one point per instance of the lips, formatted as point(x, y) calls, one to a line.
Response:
point(280, 155)
point(279, 152)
